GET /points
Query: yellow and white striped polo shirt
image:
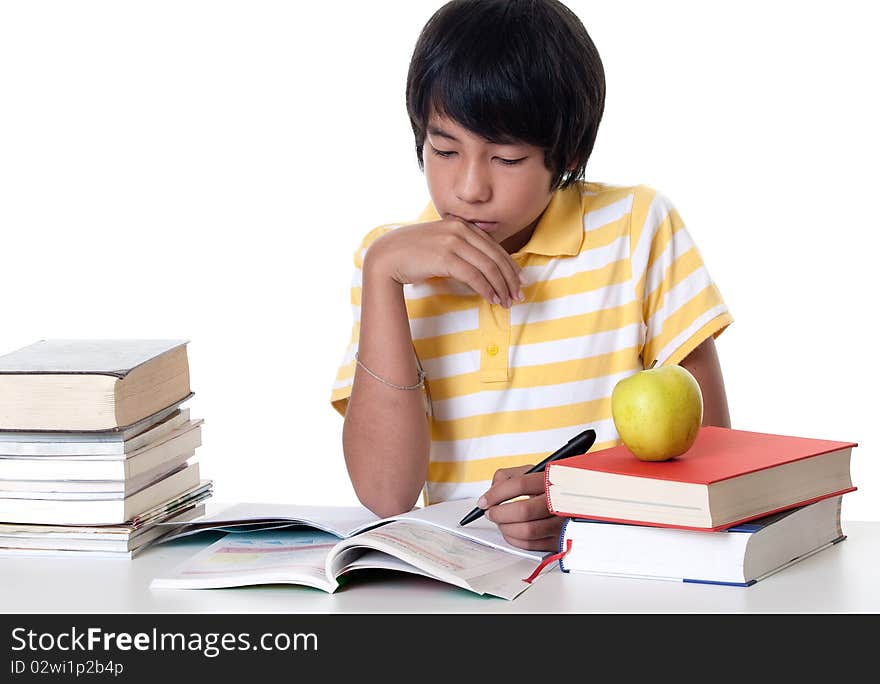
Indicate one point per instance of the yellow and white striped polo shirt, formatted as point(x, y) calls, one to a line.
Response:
point(614, 283)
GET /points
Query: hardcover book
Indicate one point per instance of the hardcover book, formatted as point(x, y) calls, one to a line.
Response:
point(123, 540)
point(106, 443)
point(170, 448)
point(727, 477)
point(740, 555)
point(108, 510)
point(90, 384)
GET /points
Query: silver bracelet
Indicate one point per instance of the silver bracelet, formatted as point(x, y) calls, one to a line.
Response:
point(419, 385)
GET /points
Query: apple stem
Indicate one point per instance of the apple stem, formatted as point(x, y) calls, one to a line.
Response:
point(653, 363)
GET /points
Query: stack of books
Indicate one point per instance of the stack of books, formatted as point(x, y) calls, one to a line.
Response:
point(734, 509)
point(96, 448)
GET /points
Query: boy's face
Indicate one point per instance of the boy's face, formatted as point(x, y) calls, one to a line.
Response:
point(504, 189)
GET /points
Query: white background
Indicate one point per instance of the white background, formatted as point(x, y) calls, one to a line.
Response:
point(205, 170)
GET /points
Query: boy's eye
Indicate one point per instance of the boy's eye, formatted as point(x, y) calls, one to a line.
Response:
point(446, 154)
point(441, 153)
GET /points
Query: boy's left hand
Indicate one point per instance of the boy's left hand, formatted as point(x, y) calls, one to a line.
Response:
point(526, 524)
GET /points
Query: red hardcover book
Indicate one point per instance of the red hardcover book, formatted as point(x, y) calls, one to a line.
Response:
point(726, 478)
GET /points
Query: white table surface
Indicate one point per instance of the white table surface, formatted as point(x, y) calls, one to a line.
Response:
point(842, 579)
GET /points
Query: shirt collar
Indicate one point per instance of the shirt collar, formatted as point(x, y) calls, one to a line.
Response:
point(560, 232)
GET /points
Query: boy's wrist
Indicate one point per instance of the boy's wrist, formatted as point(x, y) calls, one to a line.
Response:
point(376, 270)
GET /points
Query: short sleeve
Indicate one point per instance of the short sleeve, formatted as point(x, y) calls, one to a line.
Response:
point(341, 389)
point(681, 305)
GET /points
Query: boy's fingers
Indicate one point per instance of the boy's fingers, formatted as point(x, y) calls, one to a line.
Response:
point(483, 236)
point(494, 251)
point(512, 270)
point(531, 509)
point(488, 268)
point(533, 529)
point(464, 271)
point(497, 253)
point(506, 473)
point(521, 485)
point(459, 263)
point(550, 543)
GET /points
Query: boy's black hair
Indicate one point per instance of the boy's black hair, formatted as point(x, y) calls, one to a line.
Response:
point(508, 71)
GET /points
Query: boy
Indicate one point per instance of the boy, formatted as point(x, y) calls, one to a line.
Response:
point(522, 294)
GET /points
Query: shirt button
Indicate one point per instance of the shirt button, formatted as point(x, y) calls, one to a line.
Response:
point(492, 349)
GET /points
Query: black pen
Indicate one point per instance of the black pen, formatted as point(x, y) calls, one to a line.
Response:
point(576, 445)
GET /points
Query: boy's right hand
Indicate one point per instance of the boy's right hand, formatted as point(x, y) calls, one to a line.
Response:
point(449, 248)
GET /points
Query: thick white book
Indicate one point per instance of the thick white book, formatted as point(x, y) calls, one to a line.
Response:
point(93, 542)
point(108, 443)
point(82, 490)
point(740, 555)
point(100, 511)
point(115, 531)
point(317, 546)
point(84, 385)
point(177, 445)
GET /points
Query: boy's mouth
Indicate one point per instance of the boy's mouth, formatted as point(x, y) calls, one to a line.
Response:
point(487, 226)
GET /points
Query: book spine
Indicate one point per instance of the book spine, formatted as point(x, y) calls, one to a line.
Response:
point(560, 546)
point(688, 580)
point(547, 488)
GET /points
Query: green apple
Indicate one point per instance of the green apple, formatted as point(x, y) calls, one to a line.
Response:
point(658, 412)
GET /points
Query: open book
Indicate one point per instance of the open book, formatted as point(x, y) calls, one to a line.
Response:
point(316, 545)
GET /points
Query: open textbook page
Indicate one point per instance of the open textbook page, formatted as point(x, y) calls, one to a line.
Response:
point(318, 551)
point(342, 521)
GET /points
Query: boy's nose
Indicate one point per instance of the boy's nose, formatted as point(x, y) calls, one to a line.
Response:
point(473, 185)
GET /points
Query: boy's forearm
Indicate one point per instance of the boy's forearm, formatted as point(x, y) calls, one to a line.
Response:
point(704, 365)
point(385, 437)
